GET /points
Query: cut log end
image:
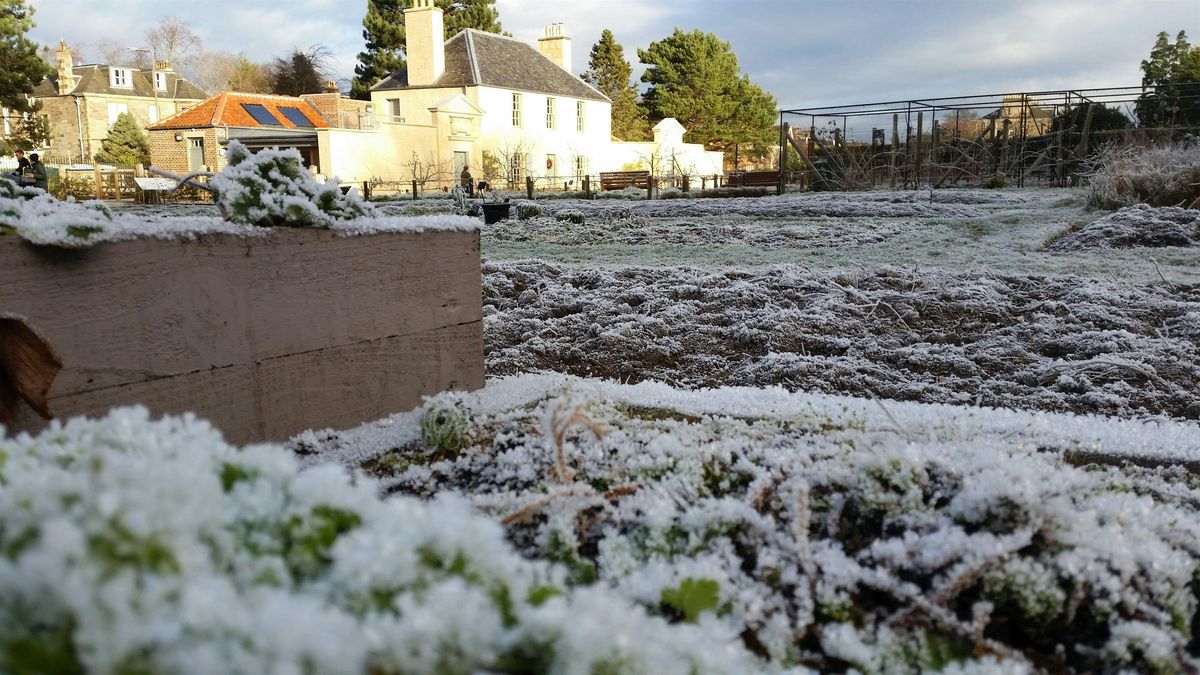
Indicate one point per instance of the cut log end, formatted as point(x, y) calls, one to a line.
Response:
point(28, 366)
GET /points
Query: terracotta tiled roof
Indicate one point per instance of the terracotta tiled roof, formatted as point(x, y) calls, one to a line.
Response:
point(475, 58)
point(227, 109)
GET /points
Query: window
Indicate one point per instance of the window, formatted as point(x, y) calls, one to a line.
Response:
point(160, 81)
point(579, 116)
point(394, 111)
point(549, 113)
point(115, 110)
point(119, 77)
point(581, 168)
point(260, 114)
point(516, 168)
point(516, 110)
point(295, 116)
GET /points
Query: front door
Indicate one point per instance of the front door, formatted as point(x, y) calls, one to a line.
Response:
point(460, 160)
point(195, 154)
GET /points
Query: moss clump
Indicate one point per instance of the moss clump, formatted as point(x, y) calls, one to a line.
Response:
point(528, 210)
point(443, 429)
point(571, 216)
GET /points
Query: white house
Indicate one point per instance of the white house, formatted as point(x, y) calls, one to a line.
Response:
point(499, 105)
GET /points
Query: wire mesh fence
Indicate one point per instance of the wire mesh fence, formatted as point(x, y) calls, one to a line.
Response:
point(1026, 138)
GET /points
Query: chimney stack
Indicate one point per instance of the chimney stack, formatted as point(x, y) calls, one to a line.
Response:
point(556, 46)
point(424, 47)
point(66, 69)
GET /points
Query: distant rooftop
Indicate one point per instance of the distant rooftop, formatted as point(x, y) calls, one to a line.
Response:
point(477, 58)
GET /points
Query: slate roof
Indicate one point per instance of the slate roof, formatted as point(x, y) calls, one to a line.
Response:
point(476, 58)
point(94, 79)
point(225, 110)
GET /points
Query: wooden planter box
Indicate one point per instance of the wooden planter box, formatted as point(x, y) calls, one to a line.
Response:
point(265, 337)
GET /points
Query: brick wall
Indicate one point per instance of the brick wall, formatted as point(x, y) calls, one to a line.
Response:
point(344, 113)
point(172, 155)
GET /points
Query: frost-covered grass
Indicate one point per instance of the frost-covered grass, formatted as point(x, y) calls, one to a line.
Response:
point(827, 532)
point(952, 229)
point(1042, 343)
point(132, 546)
point(1140, 225)
point(1160, 175)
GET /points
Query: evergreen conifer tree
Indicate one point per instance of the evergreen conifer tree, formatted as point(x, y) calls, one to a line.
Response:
point(21, 69)
point(694, 77)
point(383, 29)
point(125, 144)
point(609, 72)
point(1170, 84)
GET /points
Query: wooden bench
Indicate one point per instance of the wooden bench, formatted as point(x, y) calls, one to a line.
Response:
point(752, 179)
point(619, 180)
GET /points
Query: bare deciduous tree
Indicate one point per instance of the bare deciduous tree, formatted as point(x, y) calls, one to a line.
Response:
point(514, 157)
point(213, 71)
point(172, 40)
point(113, 53)
point(427, 169)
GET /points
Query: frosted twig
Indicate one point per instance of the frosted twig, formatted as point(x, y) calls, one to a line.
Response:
point(558, 431)
point(1160, 274)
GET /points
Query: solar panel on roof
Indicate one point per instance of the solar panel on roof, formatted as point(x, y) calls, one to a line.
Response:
point(295, 116)
point(261, 114)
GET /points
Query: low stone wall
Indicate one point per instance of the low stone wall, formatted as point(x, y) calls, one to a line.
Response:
point(265, 337)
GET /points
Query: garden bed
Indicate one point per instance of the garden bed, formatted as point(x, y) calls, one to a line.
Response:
point(266, 333)
point(1063, 344)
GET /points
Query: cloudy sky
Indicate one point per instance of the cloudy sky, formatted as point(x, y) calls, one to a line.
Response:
point(806, 52)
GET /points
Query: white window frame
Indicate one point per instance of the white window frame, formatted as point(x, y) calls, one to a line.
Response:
point(160, 81)
point(120, 78)
point(516, 168)
point(115, 110)
point(550, 112)
point(581, 167)
point(516, 109)
point(395, 113)
point(579, 116)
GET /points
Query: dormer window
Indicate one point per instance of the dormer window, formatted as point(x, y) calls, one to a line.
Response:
point(120, 78)
point(160, 81)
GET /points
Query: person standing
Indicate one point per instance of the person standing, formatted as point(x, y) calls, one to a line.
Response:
point(38, 170)
point(19, 175)
point(467, 180)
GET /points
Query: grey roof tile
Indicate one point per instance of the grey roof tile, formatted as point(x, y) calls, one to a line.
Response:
point(94, 79)
point(476, 58)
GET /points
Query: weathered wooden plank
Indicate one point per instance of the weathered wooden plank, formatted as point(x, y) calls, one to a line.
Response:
point(275, 398)
point(146, 309)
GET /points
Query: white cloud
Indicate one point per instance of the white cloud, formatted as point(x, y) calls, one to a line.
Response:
point(806, 52)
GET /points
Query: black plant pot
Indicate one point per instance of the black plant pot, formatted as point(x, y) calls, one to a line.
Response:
point(494, 213)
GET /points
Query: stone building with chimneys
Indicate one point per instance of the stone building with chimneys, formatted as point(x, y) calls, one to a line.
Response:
point(82, 102)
